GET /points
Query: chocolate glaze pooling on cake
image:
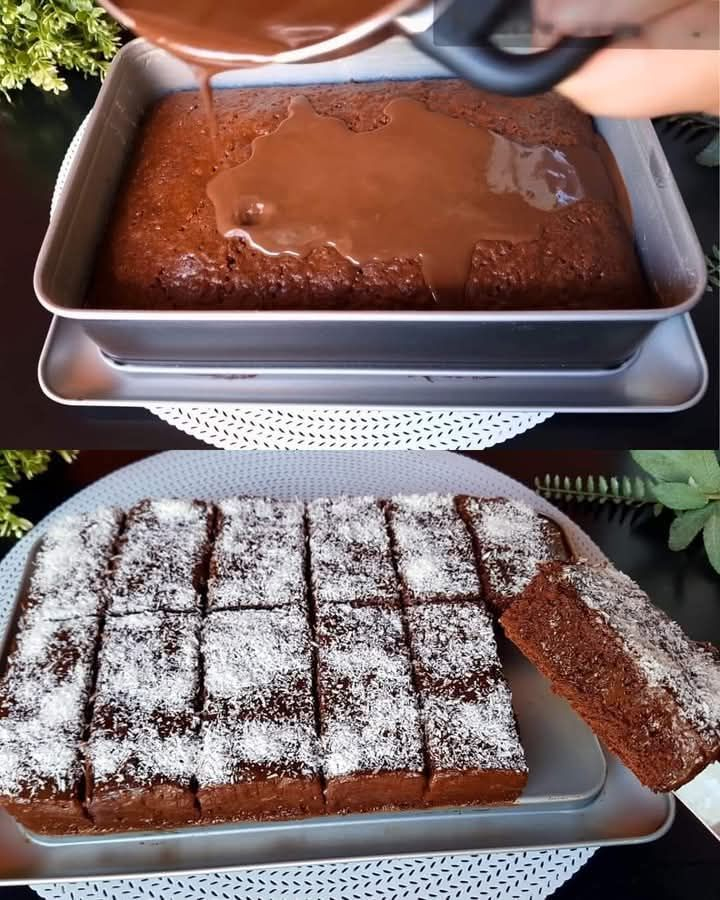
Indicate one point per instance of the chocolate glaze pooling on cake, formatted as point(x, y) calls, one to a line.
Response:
point(163, 249)
point(425, 186)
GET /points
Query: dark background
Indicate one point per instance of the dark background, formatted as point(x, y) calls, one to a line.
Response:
point(686, 862)
point(35, 131)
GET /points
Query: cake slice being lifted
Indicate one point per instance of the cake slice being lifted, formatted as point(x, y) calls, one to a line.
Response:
point(511, 541)
point(649, 693)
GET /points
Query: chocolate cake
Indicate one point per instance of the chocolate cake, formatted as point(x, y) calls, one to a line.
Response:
point(69, 573)
point(43, 695)
point(258, 559)
point(350, 558)
point(141, 756)
point(369, 723)
point(162, 557)
point(433, 549)
point(649, 693)
point(259, 752)
point(163, 250)
point(511, 541)
point(472, 747)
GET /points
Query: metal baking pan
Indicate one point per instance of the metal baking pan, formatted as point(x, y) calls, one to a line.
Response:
point(577, 795)
point(669, 374)
point(397, 342)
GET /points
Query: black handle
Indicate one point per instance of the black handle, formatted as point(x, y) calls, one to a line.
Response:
point(461, 40)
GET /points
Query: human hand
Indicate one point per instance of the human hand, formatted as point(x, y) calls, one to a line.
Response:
point(665, 60)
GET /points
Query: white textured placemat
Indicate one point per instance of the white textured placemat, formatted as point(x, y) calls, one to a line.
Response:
point(310, 427)
point(214, 474)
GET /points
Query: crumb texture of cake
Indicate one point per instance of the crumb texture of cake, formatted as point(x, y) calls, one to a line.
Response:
point(369, 721)
point(350, 557)
point(43, 695)
point(142, 752)
point(69, 574)
point(163, 250)
point(472, 747)
point(258, 740)
point(162, 556)
point(258, 559)
point(649, 693)
point(433, 549)
point(511, 542)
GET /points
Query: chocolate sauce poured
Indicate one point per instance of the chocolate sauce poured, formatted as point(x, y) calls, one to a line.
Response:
point(242, 27)
point(425, 185)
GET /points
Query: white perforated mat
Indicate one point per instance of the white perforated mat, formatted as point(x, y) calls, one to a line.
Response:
point(308, 427)
point(214, 474)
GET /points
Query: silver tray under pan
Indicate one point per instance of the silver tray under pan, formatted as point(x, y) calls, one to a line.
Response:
point(668, 374)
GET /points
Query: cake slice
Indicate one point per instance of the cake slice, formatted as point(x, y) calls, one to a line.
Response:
point(649, 693)
point(142, 751)
point(472, 747)
point(258, 560)
point(511, 541)
point(369, 721)
point(162, 557)
point(350, 556)
point(433, 549)
point(259, 752)
point(71, 565)
point(43, 696)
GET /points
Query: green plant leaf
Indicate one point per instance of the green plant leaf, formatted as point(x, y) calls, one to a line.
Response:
point(711, 539)
point(680, 496)
point(710, 155)
point(665, 465)
point(688, 525)
point(704, 470)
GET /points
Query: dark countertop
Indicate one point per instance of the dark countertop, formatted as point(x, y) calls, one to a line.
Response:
point(35, 131)
point(684, 863)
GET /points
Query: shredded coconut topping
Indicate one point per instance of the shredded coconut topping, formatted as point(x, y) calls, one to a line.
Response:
point(259, 555)
point(42, 710)
point(161, 557)
point(369, 715)
point(143, 722)
point(473, 735)
point(434, 551)
point(465, 702)
point(513, 541)
point(232, 750)
point(350, 555)
point(259, 709)
point(451, 640)
point(71, 565)
point(664, 654)
point(250, 654)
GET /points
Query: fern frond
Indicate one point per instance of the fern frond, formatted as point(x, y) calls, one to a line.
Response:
point(624, 491)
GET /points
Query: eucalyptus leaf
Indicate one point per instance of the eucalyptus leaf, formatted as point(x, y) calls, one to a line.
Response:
point(704, 470)
point(665, 465)
point(711, 539)
point(710, 155)
point(680, 496)
point(688, 525)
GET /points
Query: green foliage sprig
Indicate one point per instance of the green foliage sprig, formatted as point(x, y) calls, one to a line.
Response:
point(713, 266)
point(684, 481)
point(40, 37)
point(14, 466)
point(690, 127)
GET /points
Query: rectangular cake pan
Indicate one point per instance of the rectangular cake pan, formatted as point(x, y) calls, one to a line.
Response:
point(577, 795)
point(397, 342)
